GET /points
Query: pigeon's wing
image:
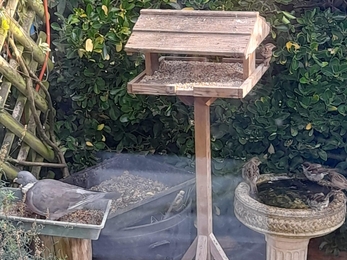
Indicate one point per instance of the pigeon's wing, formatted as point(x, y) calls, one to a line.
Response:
point(57, 198)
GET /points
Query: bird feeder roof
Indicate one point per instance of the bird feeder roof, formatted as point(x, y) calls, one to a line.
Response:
point(220, 33)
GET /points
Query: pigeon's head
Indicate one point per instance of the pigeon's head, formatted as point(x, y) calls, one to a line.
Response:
point(24, 178)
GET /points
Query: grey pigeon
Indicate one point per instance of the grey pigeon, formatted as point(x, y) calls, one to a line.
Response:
point(53, 198)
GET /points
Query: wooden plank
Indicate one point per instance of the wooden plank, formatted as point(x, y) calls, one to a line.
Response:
point(179, 58)
point(202, 249)
point(216, 250)
point(195, 24)
point(221, 91)
point(135, 80)
point(253, 79)
point(238, 14)
point(188, 43)
point(191, 252)
point(156, 89)
point(203, 166)
point(210, 101)
point(240, 60)
point(260, 31)
point(151, 63)
point(248, 65)
point(218, 91)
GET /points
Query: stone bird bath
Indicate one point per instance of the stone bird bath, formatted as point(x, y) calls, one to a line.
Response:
point(287, 231)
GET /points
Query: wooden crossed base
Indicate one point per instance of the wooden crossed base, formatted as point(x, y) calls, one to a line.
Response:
point(205, 244)
point(203, 247)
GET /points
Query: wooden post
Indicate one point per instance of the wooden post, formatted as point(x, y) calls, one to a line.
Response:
point(248, 65)
point(205, 244)
point(67, 248)
point(203, 166)
point(151, 62)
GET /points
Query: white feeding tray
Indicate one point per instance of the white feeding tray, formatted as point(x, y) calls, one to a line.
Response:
point(60, 228)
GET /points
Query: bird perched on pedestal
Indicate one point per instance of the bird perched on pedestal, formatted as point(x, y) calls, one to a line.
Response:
point(251, 173)
point(314, 171)
point(319, 201)
point(266, 53)
point(53, 198)
point(337, 180)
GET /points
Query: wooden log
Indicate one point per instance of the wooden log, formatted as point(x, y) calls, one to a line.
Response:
point(67, 248)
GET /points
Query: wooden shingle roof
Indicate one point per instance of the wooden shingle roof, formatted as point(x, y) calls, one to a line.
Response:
point(197, 32)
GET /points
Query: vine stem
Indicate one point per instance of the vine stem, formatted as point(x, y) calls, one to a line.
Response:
point(30, 96)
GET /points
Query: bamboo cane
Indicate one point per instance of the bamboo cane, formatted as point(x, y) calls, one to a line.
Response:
point(7, 120)
point(18, 81)
point(28, 43)
point(37, 7)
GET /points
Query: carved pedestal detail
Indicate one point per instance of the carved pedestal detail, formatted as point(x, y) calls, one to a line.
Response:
point(281, 248)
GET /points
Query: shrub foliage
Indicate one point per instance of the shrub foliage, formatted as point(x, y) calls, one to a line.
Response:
point(296, 113)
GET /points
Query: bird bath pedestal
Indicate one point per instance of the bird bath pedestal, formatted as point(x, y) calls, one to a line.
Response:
point(211, 36)
point(287, 231)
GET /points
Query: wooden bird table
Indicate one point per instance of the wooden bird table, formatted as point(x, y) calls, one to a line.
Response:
point(217, 59)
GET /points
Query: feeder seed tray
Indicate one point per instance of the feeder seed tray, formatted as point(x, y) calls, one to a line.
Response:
point(61, 228)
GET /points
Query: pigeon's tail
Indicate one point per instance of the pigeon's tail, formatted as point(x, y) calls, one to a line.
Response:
point(112, 195)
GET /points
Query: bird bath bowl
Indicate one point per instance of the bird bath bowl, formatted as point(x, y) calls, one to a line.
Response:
point(60, 228)
point(287, 231)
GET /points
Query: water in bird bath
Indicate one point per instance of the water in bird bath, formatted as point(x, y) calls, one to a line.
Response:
point(289, 193)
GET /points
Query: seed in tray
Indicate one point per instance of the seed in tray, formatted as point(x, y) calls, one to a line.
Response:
point(187, 74)
point(132, 187)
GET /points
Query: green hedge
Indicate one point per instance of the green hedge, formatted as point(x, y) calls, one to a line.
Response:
point(296, 113)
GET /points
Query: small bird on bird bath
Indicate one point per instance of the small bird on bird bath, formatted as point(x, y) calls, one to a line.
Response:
point(251, 173)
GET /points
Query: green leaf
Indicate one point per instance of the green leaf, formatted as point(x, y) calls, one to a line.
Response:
point(323, 155)
point(293, 131)
point(124, 119)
